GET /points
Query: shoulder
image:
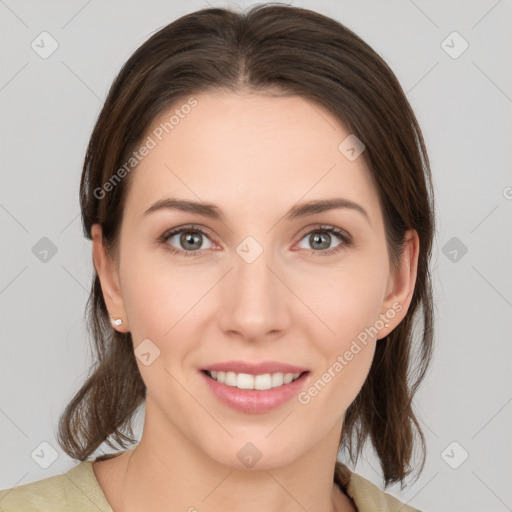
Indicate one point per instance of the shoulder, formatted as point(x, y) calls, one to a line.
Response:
point(75, 490)
point(367, 496)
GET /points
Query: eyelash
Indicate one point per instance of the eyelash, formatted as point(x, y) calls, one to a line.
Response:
point(320, 228)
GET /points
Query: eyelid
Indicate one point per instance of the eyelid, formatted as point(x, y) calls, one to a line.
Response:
point(186, 227)
point(169, 233)
point(324, 227)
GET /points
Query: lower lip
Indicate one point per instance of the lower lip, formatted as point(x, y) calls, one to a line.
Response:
point(253, 400)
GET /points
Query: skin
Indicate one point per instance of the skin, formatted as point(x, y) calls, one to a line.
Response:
point(255, 156)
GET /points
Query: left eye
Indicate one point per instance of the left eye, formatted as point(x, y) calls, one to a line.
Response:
point(323, 237)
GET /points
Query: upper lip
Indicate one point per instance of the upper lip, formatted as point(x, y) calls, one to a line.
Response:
point(255, 368)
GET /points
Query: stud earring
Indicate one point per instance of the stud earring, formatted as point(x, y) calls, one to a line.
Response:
point(115, 322)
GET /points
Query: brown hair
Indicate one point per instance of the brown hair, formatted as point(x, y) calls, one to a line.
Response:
point(269, 48)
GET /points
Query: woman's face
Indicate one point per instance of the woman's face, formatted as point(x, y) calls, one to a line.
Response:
point(262, 283)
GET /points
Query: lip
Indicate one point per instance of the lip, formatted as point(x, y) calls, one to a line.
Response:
point(252, 400)
point(255, 368)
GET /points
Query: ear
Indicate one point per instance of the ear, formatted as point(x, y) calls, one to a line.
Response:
point(400, 287)
point(108, 275)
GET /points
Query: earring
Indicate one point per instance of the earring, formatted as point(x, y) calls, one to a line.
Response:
point(115, 322)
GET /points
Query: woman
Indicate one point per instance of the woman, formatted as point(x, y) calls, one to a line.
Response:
point(259, 199)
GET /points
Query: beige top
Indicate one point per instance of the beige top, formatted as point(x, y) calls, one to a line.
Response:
point(78, 490)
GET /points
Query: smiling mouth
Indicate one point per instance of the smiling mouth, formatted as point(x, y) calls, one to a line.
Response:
point(259, 382)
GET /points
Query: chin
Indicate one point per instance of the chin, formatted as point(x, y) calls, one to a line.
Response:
point(258, 454)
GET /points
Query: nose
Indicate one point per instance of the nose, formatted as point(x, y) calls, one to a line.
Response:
point(255, 301)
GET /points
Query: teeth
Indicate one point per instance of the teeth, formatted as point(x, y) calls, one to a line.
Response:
point(259, 382)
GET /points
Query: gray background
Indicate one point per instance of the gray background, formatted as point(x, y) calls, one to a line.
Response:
point(48, 108)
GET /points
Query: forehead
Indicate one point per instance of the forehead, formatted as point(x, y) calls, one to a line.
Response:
point(249, 150)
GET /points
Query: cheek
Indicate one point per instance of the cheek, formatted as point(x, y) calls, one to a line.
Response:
point(348, 305)
point(347, 352)
point(163, 303)
point(347, 301)
point(156, 295)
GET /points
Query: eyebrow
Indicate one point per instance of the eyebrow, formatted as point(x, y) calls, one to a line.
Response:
point(214, 212)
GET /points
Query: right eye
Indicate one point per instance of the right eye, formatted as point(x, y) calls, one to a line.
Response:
point(190, 238)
